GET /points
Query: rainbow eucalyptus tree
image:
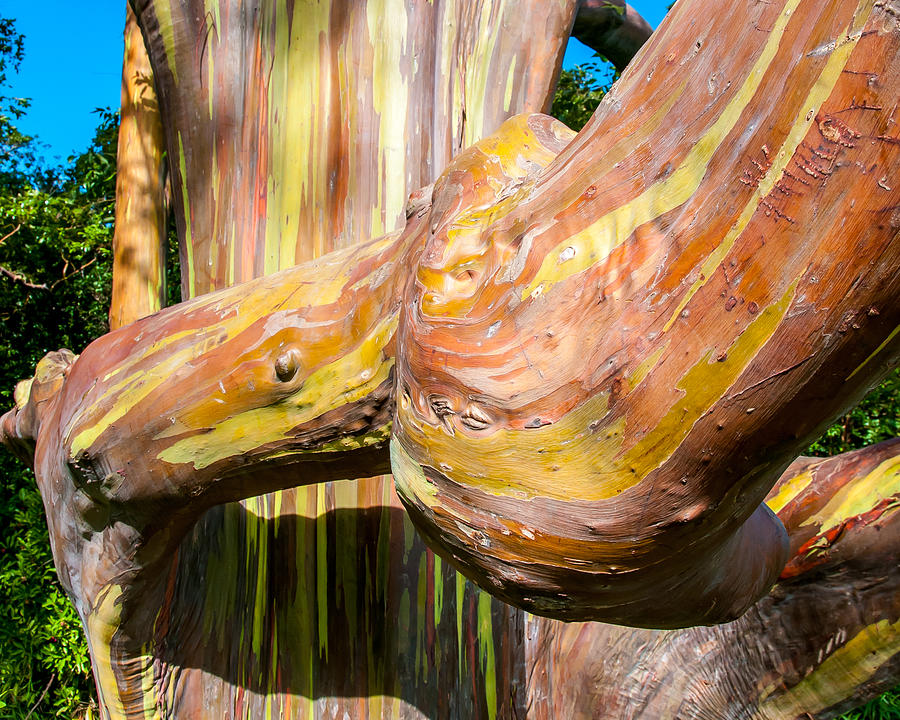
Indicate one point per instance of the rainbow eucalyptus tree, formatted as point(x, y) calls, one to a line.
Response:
point(590, 362)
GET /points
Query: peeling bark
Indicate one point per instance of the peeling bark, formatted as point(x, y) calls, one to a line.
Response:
point(712, 282)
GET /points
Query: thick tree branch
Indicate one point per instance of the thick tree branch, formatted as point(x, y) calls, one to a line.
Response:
point(484, 463)
point(601, 359)
point(612, 28)
point(826, 639)
point(601, 380)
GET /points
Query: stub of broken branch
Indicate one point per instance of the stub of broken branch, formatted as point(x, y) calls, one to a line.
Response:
point(34, 397)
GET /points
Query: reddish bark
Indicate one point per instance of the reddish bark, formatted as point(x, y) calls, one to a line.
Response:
point(279, 604)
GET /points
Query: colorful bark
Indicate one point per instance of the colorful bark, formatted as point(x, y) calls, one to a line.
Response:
point(297, 128)
point(824, 640)
point(322, 601)
point(649, 331)
point(139, 244)
point(274, 383)
point(348, 149)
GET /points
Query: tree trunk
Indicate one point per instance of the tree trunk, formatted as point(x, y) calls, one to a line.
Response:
point(314, 125)
point(139, 244)
point(323, 601)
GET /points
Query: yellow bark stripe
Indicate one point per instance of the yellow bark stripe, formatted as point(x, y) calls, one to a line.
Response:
point(846, 669)
point(163, 10)
point(344, 381)
point(140, 375)
point(791, 489)
point(806, 116)
point(515, 142)
point(387, 24)
point(298, 123)
point(124, 395)
point(186, 206)
point(876, 351)
point(565, 460)
point(101, 624)
point(410, 478)
point(861, 496)
point(599, 239)
point(478, 69)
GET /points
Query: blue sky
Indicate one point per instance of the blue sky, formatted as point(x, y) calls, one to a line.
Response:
point(73, 63)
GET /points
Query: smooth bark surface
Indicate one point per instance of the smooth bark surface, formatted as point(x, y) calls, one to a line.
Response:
point(297, 128)
point(139, 243)
point(823, 641)
point(604, 365)
point(322, 601)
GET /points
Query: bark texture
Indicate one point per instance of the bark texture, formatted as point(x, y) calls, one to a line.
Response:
point(610, 360)
point(293, 129)
point(139, 243)
point(297, 128)
point(824, 640)
point(323, 602)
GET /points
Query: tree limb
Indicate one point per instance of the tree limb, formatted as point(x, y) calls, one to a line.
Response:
point(611, 28)
point(824, 640)
point(22, 280)
point(600, 381)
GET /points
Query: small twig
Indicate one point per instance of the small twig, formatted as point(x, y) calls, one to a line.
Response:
point(74, 272)
point(41, 698)
point(15, 277)
point(11, 233)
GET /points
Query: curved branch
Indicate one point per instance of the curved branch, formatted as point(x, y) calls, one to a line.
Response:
point(606, 375)
point(612, 28)
point(564, 464)
point(605, 353)
point(826, 639)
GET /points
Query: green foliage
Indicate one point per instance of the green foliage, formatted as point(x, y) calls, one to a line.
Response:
point(43, 657)
point(19, 156)
point(884, 707)
point(55, 272)
point(55, 262)
point(579, 92)
point(875, 419)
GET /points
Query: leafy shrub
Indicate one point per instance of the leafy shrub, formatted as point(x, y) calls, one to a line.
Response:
point(55, 276)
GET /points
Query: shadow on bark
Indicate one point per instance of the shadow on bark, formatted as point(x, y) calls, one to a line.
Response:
point(387, 642)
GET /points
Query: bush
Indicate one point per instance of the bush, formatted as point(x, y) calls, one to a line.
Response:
point(55, 279)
